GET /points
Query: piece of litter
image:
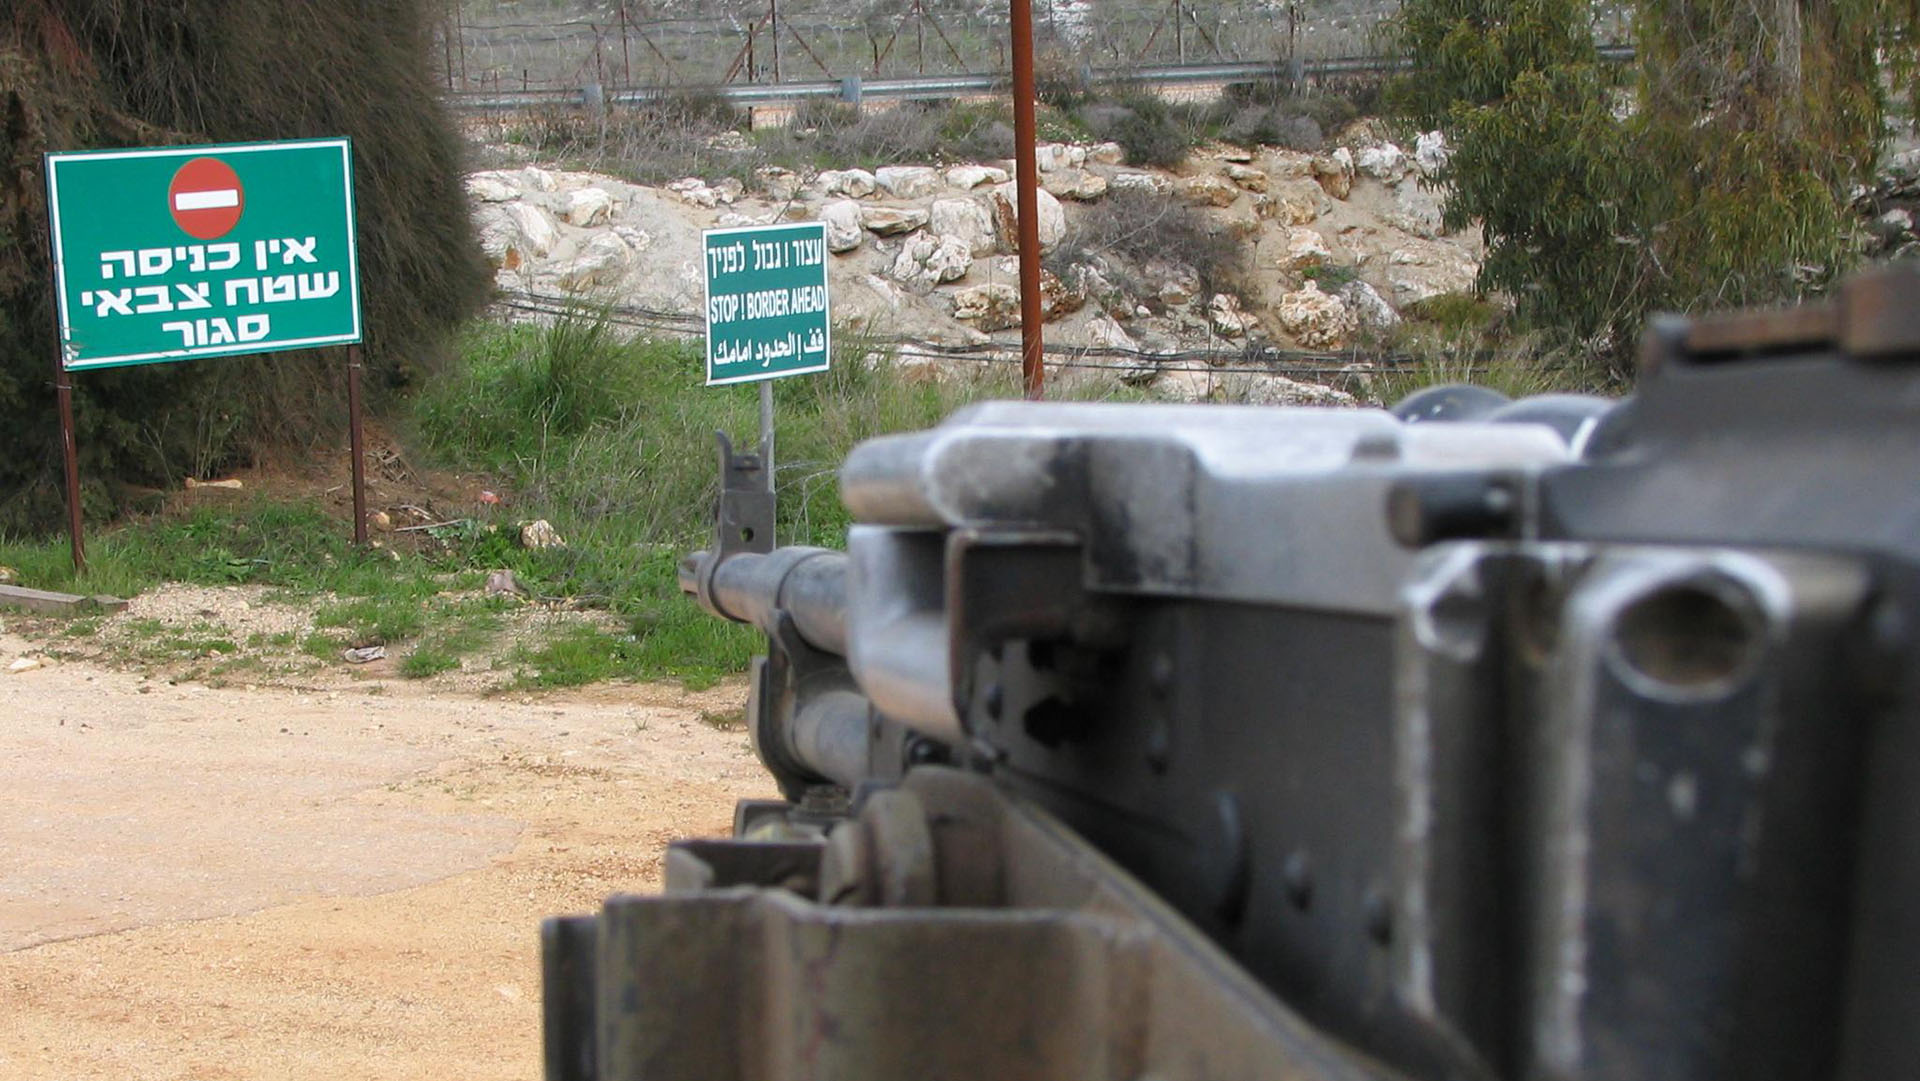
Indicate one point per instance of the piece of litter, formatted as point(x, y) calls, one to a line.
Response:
point(230, 482)
point(24, 664)
point(365, 654)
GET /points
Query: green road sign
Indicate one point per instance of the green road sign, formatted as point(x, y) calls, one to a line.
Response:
point(766, 302)
point(201, 251)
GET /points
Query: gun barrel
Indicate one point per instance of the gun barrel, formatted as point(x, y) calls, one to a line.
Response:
point(808, 584)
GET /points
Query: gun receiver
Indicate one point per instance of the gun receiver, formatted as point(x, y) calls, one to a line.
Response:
point(1553, 739)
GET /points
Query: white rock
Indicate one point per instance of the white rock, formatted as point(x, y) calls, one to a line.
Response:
point(603, 262)
point(589, 207)
point(892, 220)
point(729, 189)
point(1052, 223)
point(990, 307)
point(1430, 152)
point(1315, 319)
point(540, 534)
point(534, 178)
point(23, 664)
point(1370, 310)
point(852, 183)
point(1266, 388)
point(907, 181)
point(1174, 283)
point(779, 184)
point(844, 229)
point(1385, 162)
point(1335, 172)
point(730, 220)
point(1051, 156)
point(500, 238)
point(1425, 269)
point(968, 177)
point(695, 191)
point(1104, 333)
point(967, 220)
point(1305, 249)
point(1227, 317)
point(1209, 190)
point(1247, 176)
point(925, 261)
point(1152, 182)
point(1077, 184)
point(536, 227)
point(492, 187)
point(1417, 209)
point(1106, 154)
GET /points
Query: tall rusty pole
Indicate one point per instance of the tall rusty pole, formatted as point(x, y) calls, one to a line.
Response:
point(1033, 373)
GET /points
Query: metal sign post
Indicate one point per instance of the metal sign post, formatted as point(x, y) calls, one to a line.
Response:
point(175, 253)
point(766, 311)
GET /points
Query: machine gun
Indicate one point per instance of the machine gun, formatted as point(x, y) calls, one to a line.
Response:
point(1554, 739)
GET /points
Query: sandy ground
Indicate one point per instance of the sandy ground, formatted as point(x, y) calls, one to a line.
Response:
point(272, 883)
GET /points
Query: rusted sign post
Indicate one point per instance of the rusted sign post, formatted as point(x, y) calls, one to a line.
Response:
point(175, 253)
point(1033, 372)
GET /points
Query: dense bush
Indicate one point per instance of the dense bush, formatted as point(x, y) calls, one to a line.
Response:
point(1130, 229)
point(80, 74)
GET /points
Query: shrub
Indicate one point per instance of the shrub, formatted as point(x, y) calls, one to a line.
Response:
point(1139, 227)
point(103, 73)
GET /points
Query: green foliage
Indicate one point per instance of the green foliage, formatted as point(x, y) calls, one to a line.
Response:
point(1717, 174)
point(77, 74)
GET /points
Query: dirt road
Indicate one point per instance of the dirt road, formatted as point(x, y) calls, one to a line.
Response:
point(269, 883)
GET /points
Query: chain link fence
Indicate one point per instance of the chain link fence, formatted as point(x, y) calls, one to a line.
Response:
point(507, 45)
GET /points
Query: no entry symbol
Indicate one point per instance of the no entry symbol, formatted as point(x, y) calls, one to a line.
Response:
point(206, 198)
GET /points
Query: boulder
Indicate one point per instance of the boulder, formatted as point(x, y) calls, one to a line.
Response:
point(1315, 319)
point(1257, 387)
point(1417, 209)
point(852, 183)
point(1058, 297)
point(492, 187)
point(1052, 156)
point(907, 181)
point(990, 307)
point(968, 177)
point(967, 220)
point(1335, 172)
point(780, 184)
point(1076, 184)
point(539, 534)
point(1430, 153)
point(1106, 154)
point(1247, 176)
point(534, 178)
point(729, 189)
point(925, 261)
point(1370, 310)
point(1426, 269)
point(1384, 162)
point(589, 207)
point(1228, 318)
point(845, 230)
point(694, 190)
point(1152, 182)
point(1306, 249)
point(731, 220)
point(500, 238)
point(1290, 165)
point(892, 220)
point(602, 263)
point(1296, 206)
point(1052, 223)
point(536, 227)
point(1209, 190)
point(1174, 283)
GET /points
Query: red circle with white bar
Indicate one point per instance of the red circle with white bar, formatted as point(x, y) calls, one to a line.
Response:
point(206, 198)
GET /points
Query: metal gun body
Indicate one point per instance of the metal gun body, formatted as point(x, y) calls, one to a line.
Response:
point(1554, 739)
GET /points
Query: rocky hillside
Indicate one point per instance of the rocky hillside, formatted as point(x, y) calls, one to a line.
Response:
point(1238, 248)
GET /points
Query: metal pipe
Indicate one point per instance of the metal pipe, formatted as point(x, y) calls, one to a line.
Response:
point(1033, 372)
point(808, 584)
point(356, 441)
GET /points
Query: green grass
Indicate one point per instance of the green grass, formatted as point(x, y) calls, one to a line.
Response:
point(609, 439)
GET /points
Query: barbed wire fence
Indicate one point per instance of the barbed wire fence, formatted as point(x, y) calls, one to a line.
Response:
point(507, 45)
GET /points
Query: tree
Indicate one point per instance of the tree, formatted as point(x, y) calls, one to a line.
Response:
point(1714, 171)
